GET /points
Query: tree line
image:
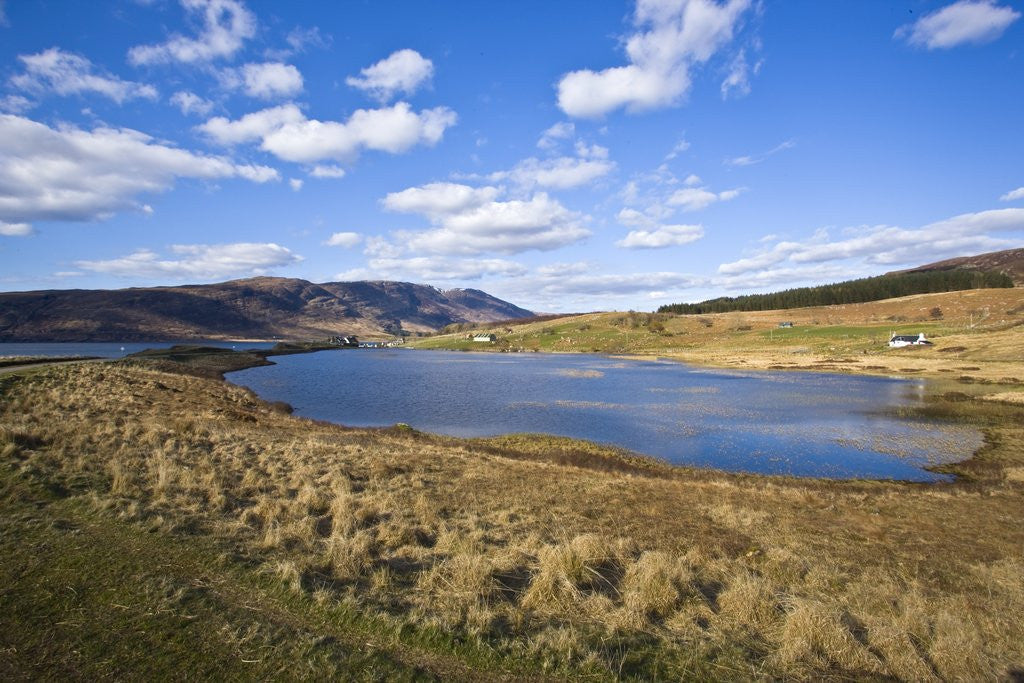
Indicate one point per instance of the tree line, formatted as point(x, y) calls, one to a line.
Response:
point(851, 291)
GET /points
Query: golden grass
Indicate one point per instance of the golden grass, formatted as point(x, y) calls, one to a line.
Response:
point(543, 547)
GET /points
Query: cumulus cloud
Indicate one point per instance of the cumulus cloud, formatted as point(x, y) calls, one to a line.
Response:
point(697, 198)
point(295, 184)
point(652, 234)
point(402, 72)
point(661, 237)
point(77, 175)
point(285, 131)
point(562, 173)
point(226, 25)
point(327, 171)
point(672, 37)
point(198, 261)
point(343, 239)
point(1013, 195)
point(190, 103)
point(963, 22)
point(471, 220)
point(270, 80)
point(891, 245)
point(551, 137)
point(15, 229)
point(65, 73)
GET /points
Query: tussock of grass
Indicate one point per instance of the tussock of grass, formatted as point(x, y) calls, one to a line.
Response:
point(548, 549)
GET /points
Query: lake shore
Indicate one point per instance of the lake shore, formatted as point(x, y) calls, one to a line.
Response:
point(539, 556)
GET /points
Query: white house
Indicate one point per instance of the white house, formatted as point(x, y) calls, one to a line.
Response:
point(484, 338)
point(899, 340)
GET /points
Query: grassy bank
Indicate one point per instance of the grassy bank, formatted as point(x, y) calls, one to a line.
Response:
point(155, 519)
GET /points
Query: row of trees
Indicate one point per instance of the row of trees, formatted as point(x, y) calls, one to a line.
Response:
point(851, 291)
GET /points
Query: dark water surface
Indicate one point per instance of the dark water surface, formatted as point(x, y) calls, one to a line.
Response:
point(803, 424)
point(110, 349)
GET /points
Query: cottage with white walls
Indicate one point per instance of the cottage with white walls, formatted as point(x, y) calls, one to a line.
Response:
point(899, 340)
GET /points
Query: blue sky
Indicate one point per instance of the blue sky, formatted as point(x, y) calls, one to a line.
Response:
point(565, 156)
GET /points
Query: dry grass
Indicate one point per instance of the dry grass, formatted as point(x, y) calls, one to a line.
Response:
point(637, 570)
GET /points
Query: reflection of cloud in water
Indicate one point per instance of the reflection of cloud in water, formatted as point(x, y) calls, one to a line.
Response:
point(570, 372)
point(685, 390)
point(591, 404)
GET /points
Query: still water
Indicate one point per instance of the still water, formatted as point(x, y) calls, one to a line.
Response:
point(109, 349)
point(803, 424)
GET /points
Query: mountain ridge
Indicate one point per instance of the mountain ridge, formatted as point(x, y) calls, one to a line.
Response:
point(249, 308)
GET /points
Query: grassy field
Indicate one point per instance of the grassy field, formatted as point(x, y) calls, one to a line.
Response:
point(978, 334)
point(157, 522)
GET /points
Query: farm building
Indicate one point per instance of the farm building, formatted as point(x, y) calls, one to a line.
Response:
point(485, 338)
point(899, 340)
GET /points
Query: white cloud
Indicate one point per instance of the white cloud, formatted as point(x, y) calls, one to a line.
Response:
point(190, 103)
point(403, 72)
point(295, 184)
point(436, 200)
point(270, 80)
point(227, 24)
point(661, 237)
point(697, 198)
point(470, 220)
point(750, 160)
point(301, 39)
point(551, 137)
point(327, 171)
point(563, 284)
point(1013, 195)
point(77, 175)
point(892, 246)
point(251, 127)
point(674, 36)
point(15, 104)
point(285, 132)
point(966, 21)
point(66, 73)
point(344, 239)
point(15, 229)
point(199, 261)
point(737, 83)
point(561, 174)
point(678, 149)
point(651, 233)
point(433, 269)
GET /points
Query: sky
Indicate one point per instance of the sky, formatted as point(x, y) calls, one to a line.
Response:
point(565, 156)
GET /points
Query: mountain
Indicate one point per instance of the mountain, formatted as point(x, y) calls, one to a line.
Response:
point(253, 308)
point(1010, 262)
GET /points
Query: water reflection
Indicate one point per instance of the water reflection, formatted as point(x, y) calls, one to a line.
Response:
point(787, 423)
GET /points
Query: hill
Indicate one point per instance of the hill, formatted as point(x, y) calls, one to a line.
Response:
point(254, 308)
point(1009, 262)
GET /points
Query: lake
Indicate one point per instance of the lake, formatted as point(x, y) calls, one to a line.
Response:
point(802, 424)
point(109, 349)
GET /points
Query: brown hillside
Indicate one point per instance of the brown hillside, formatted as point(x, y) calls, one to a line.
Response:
point(1010, 261)
point(254, 308)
